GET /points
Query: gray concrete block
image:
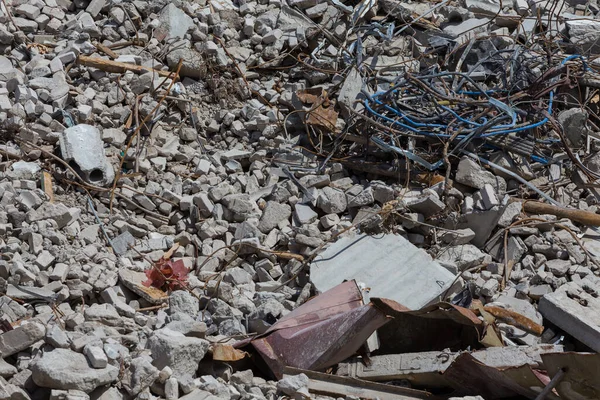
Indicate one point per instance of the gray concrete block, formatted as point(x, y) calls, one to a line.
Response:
point(82, 147)
point(390, 265)
point(575, 311)
point(20, 338)
point(426, 368)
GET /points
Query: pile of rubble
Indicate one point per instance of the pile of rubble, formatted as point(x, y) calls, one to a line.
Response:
point(312, 199)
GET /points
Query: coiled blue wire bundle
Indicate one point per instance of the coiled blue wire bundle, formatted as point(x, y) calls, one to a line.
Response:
point(434, 126)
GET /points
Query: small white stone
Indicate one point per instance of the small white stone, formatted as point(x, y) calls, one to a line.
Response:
point(171, 389)
point(488, 196)
point(96, 356)
point(165, 374)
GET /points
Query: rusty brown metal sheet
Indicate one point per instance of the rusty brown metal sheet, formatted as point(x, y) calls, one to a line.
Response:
point(471, 377)
point(320, 333)
point(421, 330)
point(582, 377)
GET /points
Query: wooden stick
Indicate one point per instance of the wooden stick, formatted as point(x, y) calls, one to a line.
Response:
point(120, 45)
point(581, 216)
point(117, 67)
point(9, 155)
point(106, 50)
point(47, 185)
point(152, 308)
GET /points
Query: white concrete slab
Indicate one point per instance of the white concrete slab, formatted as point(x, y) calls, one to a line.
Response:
point(575, 311)
point(389, 265)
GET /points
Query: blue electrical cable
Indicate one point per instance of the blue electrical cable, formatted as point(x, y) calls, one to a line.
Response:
point(504, 129)
point(411, 125)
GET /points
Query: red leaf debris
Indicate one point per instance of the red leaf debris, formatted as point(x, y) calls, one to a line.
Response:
point(167, 275)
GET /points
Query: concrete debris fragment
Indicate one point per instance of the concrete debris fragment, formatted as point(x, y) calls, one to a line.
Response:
point(65, 369)
point(81, 146)
point(471, 174)
point(368, 259)
point(20, 338)
point(574, 310)
point(182, 354)
point(573, 122)
point(426, 368)
point(133, 281)
point(173, 23)
point(464, 256)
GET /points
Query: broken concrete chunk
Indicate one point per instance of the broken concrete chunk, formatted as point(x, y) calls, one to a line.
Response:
point(558, 267)
point(194, 65)
point(133, 281)
point(425, 368)
point(332, 201)
point(464, 256)
point(473, 175)
point(350, 90)
point(122, 243)
point(182, 301)
point(177, 351)
point(19, 339)
point(25, 170)
point(458, 237)
point(382, 263)
point(96, 356)
point(574, 123)
point(273, 214)
point(141, 375)
point(95, 7)
point(575, 311)
point(66, 369)
point(173, 23)
point(293, 385)
point(511, 211)
point(305, 214)
point(7, 370)
point(103, 313)
point(12, 392)
point(482, 223)
point(57, 212)
point(584, 33)
point(28, 293)
point(81, 146)
point(427, 204)
point(57, 337)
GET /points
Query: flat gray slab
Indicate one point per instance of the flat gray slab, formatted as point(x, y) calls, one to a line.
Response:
point(409, 366)
point(389, 265)
point(575, 311)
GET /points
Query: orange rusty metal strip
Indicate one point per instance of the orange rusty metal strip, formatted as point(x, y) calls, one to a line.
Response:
point(515, 319)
